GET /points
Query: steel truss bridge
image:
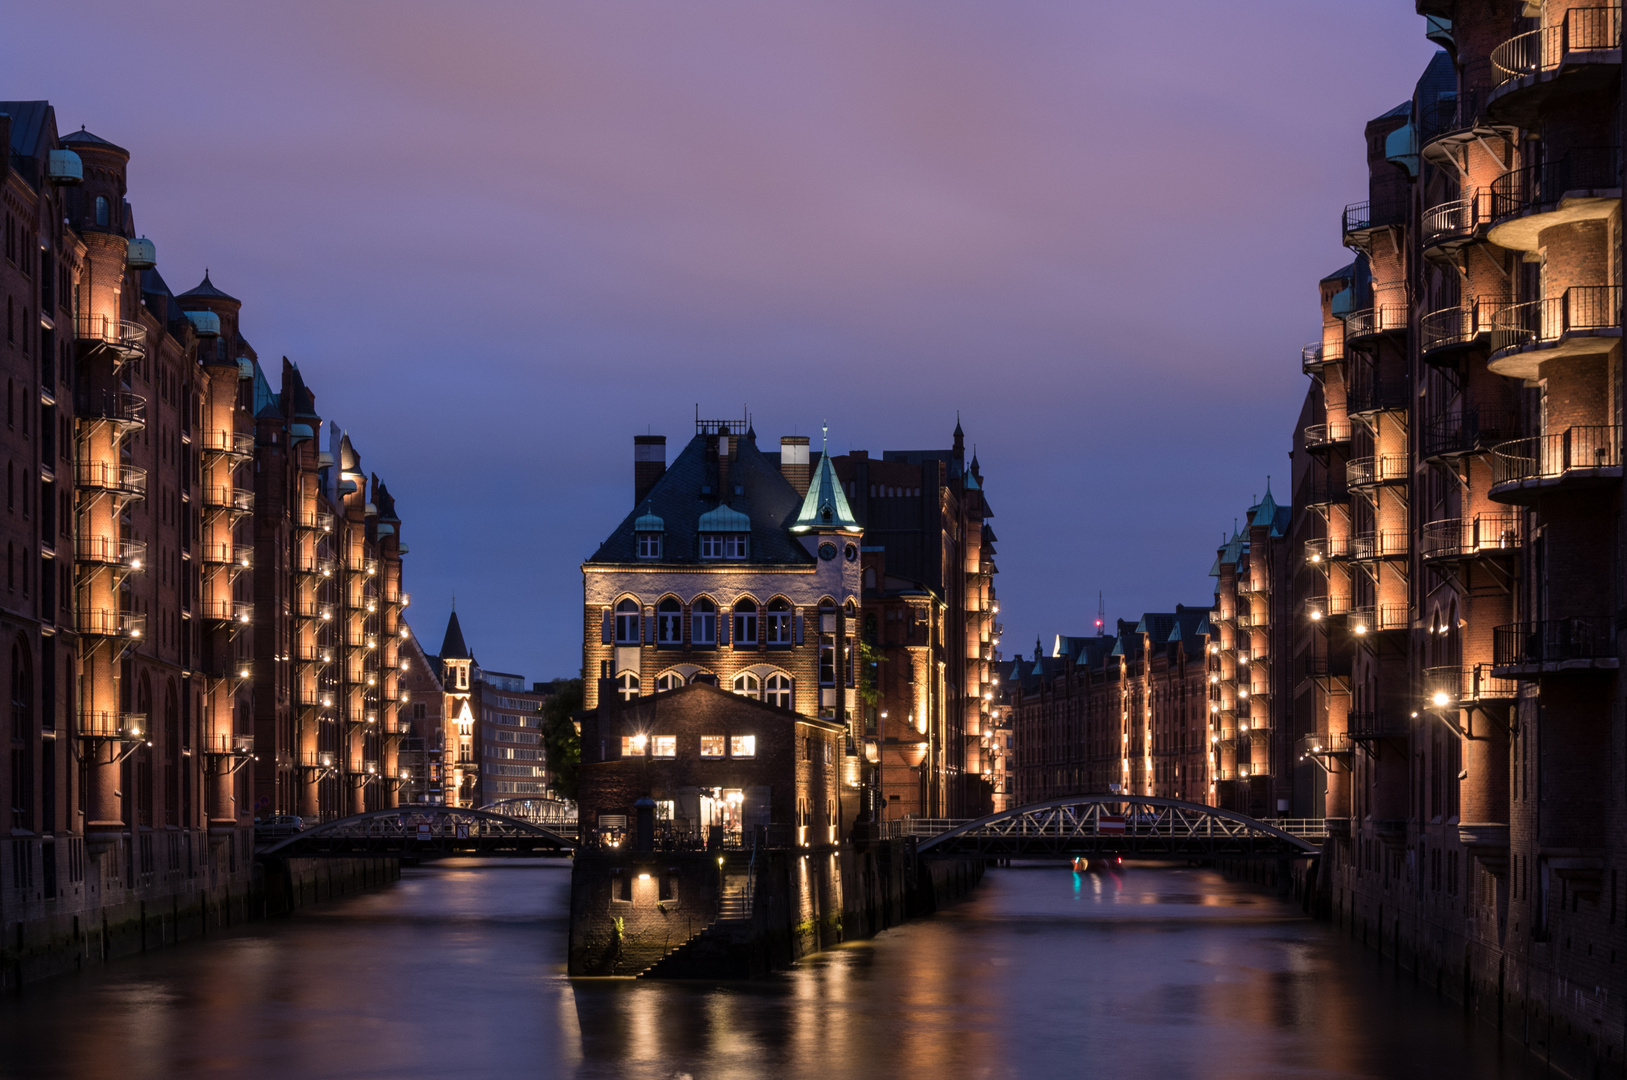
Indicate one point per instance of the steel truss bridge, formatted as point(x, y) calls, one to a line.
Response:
point(422, 832)
point(1135, 826)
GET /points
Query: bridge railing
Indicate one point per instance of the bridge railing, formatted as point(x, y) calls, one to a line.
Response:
point(1138, 823)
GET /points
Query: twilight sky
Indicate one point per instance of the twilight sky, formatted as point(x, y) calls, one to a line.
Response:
point(501, 239)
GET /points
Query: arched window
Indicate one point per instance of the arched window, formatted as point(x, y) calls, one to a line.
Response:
point(627, 686)
point(745, 622)
point(748, 685)
point(627, 622)
point(777, 630)
point(668, 680)
point(779, 690)
point(669, 622)
point(703, 623)
point(101, 211)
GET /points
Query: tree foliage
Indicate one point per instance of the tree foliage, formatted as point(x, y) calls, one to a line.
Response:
point(559, 737)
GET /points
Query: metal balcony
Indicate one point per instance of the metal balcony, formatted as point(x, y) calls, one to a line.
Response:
point(1471, 430)
point(1315, 357)
point(1368, 726)
point(238, 555)
point(313, 609)
point(125, 338)
point(1375, 321)
point(1466, 686)
point(1386, 209)
point(1327, 436)
point(1324, 745)
point(367, 567)
point(237, 612)
point(1325, 549)
point(1371, 471)
point(314, 697)
point(1379, 545)
point(1585, 320)
point(126, 481)
point(1321, 608)
point(1445, 334)
point(1379, 618)
point(1450, 227)
point(318, 759)
point(1582, 185)
point(1452, 539)
point(1367, 394)
point(321, 523)
point(228, 745)
point(1552, 646)
point(314, 654)
point(232, 499)
point(238, 445)
point(120, 407)
point(104, 622)
point(1578, 457)
point(307, 566)
point(1579, 54)
point(111, 551)
point(106, 724)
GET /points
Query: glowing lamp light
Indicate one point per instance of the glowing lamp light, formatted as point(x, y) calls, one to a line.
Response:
point(640, 740)
point(1315, 616)
point(643, 877)
point(1441, 699)
point(1242, 694)
point(720, 860)
point(1361, 628)
point(1316, 558)
point(243, 673)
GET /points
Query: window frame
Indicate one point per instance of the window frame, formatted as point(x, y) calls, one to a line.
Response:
point(744, 618)
point(669, 623)
point(703, 623)
point(719, 742)
point(628, 616)
point(743, 746)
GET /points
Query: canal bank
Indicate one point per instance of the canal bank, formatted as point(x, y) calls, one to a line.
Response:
point(740, 914)
point(156, 915)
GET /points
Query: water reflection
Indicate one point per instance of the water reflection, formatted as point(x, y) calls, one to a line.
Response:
point(458, 971)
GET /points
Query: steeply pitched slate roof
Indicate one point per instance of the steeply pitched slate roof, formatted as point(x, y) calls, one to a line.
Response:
point(452, 646)
point(28, 124)
point(824, 507)
point(766, 499)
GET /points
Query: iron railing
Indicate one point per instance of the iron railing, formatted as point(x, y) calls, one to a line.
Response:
point(1366, 619)
point(1323, 548)
point(1457, 538)
point(1329, 434)
point(111, 476)
point(111, 551)
point(1320, 607)
point(1583, 168)
point(1375, 320)
point(106, 330)
point(1554, 641)
point(1446, 687)
point(241, 555)
point(1453, 326)
point(235, 611)
point(1465, 431)
point(1380, 469)
point(1582, 30)
point(239, 444)
point(1378, 545)
point(1315, 356)
point(105, 622)
point(1550, 457)
point(120, 406)
point(1368, 724)
point(1368, 393)
point(1581, 307)
point(223, 497)
point(1459, 219)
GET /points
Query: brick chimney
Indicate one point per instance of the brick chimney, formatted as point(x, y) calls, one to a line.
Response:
point(794, 461)
point(649, 463)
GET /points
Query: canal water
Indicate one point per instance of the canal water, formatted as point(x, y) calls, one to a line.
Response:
point(458, 971)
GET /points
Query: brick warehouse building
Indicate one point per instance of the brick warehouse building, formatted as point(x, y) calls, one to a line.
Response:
point(1458, 645)
point(761, 576)
point(140, 662)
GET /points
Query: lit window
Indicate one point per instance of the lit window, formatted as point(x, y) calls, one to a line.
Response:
point(745, 623)
point(748, 685)
point(664, 746)
point(742, 746)
point(627, 685)
point(649, 545)
point(777, 623)
point(669, 622)
point(703, 623)
point(711, 746)
point(779, 691)
point(627, 623)
point(633, 745)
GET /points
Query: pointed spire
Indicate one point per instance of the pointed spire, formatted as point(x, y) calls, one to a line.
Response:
point(452, 645)
point(825, 507)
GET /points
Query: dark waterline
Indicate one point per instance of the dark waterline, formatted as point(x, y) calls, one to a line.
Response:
point(458, 970)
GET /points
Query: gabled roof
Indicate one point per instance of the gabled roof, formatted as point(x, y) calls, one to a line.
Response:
point(29, 120)
point(825, 508)
point(765, 499)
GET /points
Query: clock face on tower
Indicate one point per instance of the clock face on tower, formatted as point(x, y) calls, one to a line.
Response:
point(827, 551)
